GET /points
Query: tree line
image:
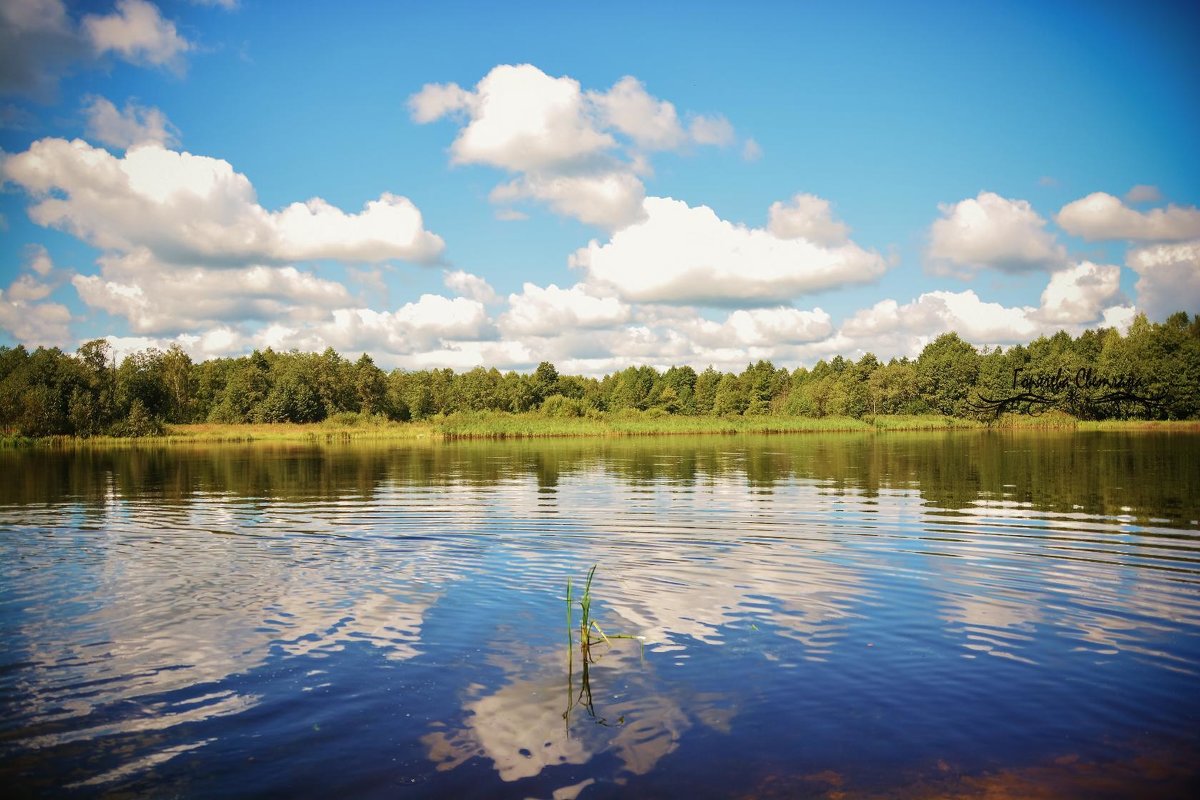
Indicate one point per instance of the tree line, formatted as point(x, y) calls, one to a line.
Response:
point(49, 392)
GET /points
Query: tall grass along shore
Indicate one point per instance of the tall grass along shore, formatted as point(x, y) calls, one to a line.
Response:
point(501, 425)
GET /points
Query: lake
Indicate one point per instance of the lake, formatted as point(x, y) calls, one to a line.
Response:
point(957, 613)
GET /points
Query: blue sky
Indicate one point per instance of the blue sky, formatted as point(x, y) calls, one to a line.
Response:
point(449, 184)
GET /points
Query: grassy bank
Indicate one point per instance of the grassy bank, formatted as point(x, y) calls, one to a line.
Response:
point(499, 425)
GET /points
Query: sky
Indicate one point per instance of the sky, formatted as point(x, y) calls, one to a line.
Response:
point(596, 185)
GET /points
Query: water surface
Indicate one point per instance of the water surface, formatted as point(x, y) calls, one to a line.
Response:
point(876, 614)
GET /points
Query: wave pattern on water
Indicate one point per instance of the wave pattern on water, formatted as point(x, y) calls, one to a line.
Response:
point(798, 597)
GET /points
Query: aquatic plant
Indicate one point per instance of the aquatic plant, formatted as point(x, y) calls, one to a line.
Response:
point(590, 635)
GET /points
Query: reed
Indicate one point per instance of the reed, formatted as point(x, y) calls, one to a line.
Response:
point(532, 425)
point(590, 635)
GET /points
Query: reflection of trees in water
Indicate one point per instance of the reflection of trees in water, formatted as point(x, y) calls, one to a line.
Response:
point(1143, 474)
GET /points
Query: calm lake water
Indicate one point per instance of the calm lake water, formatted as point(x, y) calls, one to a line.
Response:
point(874, 615)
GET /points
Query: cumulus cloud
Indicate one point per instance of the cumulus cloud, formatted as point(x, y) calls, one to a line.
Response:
point(33, 324)
point(711, 130)
point(563, 144)
point(190, 209)
point(40, 42)
point(1143, 193)
point(685, 254)
point(28, 289)
point(38, 259)
point(415, 327)
point(37, 43)
point(651, 123)
point(809, 217)
point(1102, 216)
point(125, 128)
point(607, 199)
point(158, 299)
point(1080, 293)
point(1084, 295)
point(137, 32)
point(521, 119)
point(437, 100)
point(444, 317)
point(939, 311)
point(539, 311)
point(990, 231)
point(759, 327)
point(1168, 278)
point(471, 286)
point(23, 315)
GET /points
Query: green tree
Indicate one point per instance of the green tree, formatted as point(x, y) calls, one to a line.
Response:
point(730, 398)
point(177, 382)
point(370, 385)
point(705, 393)
point(545, 381)
point(947, 370)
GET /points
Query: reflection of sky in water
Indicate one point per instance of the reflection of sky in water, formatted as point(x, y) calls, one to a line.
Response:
point(803, 599)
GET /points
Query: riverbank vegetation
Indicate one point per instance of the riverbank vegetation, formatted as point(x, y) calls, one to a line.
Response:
point(1151, 373)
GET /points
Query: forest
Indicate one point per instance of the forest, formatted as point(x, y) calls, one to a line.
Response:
point(1150, 372)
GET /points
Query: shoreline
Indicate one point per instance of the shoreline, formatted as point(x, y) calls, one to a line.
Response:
point(502, 426)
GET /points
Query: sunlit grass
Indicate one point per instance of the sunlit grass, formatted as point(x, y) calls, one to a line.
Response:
point(344, 428)
point(1140, 425)
point(922, 422)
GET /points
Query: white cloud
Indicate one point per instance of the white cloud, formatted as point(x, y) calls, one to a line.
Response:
point(37, 42)
point(538, 311)
point(651, 123)
point(157, 299)
point(510, 215)
point(751, 150)
point(609, 200)
point(1143, 193)
point(38, 259)
point(681, 254)
point(32, 16)
point(807, 217)
point(757, 327)
point(387, 228)
point(1082, 296)
point(190, 209)
point(425, 325)
point(1080, 293)
point(561, 143)
point(444, 317)
point(216, 342)
point(437, 100)
point(28, 289)
point(32, 323)
point(990, 231)
point(136, 32)
point(125, 128)
point(714, 130)
point(1102, 216)
point(767, 326)
point(1168, 278)
point(521, 119)
point(471, 286)
point(933, 313)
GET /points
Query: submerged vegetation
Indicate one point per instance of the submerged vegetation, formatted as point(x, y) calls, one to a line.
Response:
point(293, 395)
